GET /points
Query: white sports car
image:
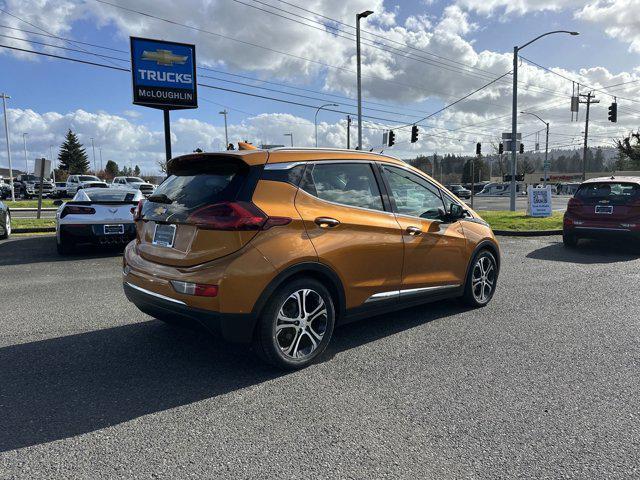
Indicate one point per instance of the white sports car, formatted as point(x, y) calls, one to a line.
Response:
point(99, 216)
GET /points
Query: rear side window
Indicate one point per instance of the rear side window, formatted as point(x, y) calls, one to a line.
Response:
point(352, 184)
point(189, 189)
point(616, 193)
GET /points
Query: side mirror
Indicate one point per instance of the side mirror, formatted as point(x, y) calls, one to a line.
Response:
point(57, 203)
point(456, 211)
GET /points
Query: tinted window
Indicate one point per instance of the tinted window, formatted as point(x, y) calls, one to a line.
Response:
point(106, 195)
point(352, 184)
point(413, 195)
point(134, 180)
point(189, 189)
point(89, 178)
point(616, 193)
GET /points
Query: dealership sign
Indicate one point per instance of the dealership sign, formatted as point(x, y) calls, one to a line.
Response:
point(539, 204)
point(164, 74)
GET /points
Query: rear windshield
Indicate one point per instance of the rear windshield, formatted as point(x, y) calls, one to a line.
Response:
point(187, 190)
point(134, 180)
point(108, 195)
point(88, 178)
point(616, 193)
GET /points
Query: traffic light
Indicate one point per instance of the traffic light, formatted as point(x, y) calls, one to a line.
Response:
point(500, 149)
point(478, 148)
point(392, 138)
point(414, 134)
point(613, 112)
point(521, 147)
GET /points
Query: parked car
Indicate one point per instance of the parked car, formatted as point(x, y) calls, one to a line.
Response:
point(501, 189)
point(77, 182)
point(60, 190)
point(277, 247)
point(5, 221)
point(459, 191)
point(29, 186)
point(5, 190)
point(601, 208)
point(97, 216)
point(133, 183)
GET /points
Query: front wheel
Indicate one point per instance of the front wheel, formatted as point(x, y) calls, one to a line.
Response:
point(296, 324)
point(482, 280)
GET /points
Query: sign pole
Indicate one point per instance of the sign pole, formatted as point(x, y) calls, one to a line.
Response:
point(167, 134)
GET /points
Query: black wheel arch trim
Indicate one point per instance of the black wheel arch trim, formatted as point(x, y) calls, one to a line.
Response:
point(484, 245)
point(314, 268)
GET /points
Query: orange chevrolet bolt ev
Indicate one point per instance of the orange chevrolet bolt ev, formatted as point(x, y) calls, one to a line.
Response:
point(277, 247)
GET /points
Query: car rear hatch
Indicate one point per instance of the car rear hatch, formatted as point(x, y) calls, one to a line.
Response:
point(606, 203)
point(201, 212)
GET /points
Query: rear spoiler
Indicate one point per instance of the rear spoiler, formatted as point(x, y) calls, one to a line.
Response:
point(112, 202)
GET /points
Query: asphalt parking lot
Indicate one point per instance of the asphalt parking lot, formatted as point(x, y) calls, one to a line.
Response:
point(542, 383)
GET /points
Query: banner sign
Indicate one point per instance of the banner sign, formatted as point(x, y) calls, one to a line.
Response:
point(539, 201)
point(164, 74)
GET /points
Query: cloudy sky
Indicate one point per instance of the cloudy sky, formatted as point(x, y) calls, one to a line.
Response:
point(418, 56)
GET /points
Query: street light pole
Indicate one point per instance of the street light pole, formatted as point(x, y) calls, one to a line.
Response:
point(6, 131)
point(546, 147)
point(315, 120)
point(226, 133)
point(514, 112)
point(93, 147)
point(26, 161)
point(364, 14)
point(100, 150)
point(290, 134)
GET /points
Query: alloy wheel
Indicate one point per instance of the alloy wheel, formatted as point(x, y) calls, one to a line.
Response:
point(483, 279)
point(7, 225)
point(301, 324)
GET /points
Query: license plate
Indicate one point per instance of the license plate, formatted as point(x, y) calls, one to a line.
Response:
point(164, 235)
point(114, 229)
point(604, 209)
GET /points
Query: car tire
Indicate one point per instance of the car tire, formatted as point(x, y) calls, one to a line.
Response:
point(569, 240)
point(64, 245)
point(482, 280)
point(6, 230)
point(287, 339)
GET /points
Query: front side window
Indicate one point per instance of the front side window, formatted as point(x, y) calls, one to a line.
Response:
point(413, 195)
point(352, 184)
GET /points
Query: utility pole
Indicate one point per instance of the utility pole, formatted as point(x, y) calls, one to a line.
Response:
point(364, 14)
point(226, 132)
point(6, 131)
point(100, 150)
point(26, 157)
point(53, 165)
point(348, 132)
point(590, 99)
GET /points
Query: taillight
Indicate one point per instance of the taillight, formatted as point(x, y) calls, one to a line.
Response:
point(229, 216)
point(574, 204)
point(77, 210)
point(137, 211)
point(196, 289)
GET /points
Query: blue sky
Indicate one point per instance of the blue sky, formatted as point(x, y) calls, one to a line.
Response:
point(44, 86)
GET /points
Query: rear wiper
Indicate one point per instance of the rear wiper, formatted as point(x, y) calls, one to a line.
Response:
point(159, 198)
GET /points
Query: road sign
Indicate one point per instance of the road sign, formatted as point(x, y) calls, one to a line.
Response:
point(42, 170)
point(164, 74)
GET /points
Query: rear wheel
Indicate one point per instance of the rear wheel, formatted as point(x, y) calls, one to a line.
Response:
point(482, 280)
point(569, 240)
point(64, 245)
point(7, 226)
point(296, 324)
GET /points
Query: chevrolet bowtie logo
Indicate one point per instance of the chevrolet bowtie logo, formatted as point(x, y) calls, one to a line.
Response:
point(164, 57)
point(160, 210)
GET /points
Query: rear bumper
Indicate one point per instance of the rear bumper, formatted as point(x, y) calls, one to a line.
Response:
point(95, 234)
point(236, 328)
point(601, 232)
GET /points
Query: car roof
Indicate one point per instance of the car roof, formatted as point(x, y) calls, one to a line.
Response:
point(290, 154)
point(613, 179)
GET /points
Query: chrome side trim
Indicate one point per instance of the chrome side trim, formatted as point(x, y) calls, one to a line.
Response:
point(282, 166)
point(604, 229)
point(408, 292)
point(376, 297)
point(417, 291)
point(154, 294)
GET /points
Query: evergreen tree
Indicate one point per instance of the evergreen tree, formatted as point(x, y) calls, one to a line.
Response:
point(629, 149)
point(111, 169)
point(73, 157)
point(136, 171)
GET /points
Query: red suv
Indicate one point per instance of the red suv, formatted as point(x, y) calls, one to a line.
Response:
point(603, 207)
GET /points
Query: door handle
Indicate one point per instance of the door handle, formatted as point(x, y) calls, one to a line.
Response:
point(413, 231)
point(326, 222)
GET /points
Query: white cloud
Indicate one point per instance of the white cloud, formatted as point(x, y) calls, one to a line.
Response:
point(619, 18)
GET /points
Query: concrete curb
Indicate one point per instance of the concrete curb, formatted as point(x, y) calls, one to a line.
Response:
point(527, 233)
point(34, 230)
